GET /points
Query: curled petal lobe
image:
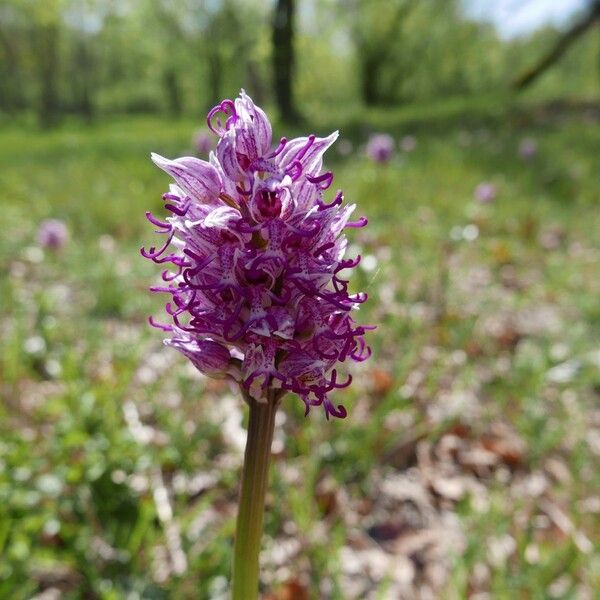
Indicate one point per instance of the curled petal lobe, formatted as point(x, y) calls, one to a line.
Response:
point(337, 411)
point(226, 111)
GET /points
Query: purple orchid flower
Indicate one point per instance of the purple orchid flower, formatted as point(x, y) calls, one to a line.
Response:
point(485, 192)
point(380, 148)
point(52, 234)
point(257, 255)
point(528, 148)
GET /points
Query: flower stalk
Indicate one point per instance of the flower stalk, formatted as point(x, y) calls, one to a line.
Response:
point(255, 475)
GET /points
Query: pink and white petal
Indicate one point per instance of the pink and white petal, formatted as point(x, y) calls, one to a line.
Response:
point(197, 178)
point(252, 114)
point(221, 217)
point(312, 159)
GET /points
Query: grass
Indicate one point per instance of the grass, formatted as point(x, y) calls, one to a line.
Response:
point(487, 315)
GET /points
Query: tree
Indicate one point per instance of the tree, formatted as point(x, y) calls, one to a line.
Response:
point(12, 95)
point(284, 59)
point(376, 29)
point(563, 43)
point(46, 51)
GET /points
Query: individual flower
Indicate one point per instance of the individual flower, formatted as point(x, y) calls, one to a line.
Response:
point(207, 356)
point(52, 234)
point(256, 261)
point(528, 148)
point(380, 147)
point(203, 143)
point(408, 143)
point(485, 192)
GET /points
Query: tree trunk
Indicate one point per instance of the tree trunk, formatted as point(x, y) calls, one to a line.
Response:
point(11, 87)
point(84, 103)
point(374, 54)
point(172, 91)
point(369, 80)
point(283, 58)
point(256, 84)
point(47, 64)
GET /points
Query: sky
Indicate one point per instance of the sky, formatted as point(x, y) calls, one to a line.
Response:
point(520, 17)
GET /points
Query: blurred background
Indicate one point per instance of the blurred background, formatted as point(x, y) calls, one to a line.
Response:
point(468, 464)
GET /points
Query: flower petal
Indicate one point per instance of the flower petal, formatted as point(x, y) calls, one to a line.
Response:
point(312, 159)
point(197, 178)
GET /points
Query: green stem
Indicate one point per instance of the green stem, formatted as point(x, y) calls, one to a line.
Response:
point(255, 475)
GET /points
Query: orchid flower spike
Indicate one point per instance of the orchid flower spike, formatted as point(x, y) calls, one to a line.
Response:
point(255, 257)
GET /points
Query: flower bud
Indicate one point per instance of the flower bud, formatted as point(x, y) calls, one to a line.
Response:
point(246, 139)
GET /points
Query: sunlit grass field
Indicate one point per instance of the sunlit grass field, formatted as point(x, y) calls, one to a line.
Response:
point(468, 463)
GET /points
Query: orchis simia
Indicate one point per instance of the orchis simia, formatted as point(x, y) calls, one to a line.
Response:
point(257, 293)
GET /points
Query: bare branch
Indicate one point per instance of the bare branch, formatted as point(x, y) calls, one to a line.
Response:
point(561, 46)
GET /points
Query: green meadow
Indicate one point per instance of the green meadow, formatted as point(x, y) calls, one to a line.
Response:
point(468, 463)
